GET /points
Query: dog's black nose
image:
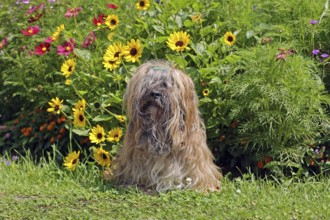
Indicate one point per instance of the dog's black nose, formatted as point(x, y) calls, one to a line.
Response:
point(156, 94)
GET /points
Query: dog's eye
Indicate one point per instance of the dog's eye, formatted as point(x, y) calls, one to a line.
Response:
point(164, 84)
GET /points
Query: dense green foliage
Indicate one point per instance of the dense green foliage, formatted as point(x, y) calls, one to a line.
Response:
point(263, 90)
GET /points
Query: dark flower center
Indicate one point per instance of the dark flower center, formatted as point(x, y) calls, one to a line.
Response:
point(70, 68)
point(99, 136)
point(57, 107)
point(74, 161)
point(113, 22)
point(142, 3)
point(133, 51)
point(179, 44)
point(112, 61)
point(116, 136)
point(104, 156)
point(117, 54)
point(81, 118)
point(230, 39)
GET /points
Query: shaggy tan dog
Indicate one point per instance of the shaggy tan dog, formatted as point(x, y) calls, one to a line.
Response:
point(165, 143)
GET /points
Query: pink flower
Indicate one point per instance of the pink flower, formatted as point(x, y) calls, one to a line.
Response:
point(72, 12)
point(3, 43)
point(112, 6)
point(49, 39)
point(90, 39)
point(35, 8)
point(42, 48)
point(66, 48)
point(30, 31)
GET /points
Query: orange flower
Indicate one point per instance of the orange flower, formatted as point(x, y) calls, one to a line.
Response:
point(43, 127)
point(61, 119)
point(52, 140)
point(26, 131)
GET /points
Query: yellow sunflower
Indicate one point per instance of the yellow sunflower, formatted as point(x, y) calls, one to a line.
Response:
point(110, 62)
point(112, 21)
point(55, 105)
point(102, 157)
point(115, 134)
point(229, 38)
point(178, 41)
point(121, 118)
point(80, 104)
point(68, 67)
point(205, 92)
point(71, 161)
point(115, 50)
point(133, 51)
point(143, 4)
point(79, 119)
point(97, 134)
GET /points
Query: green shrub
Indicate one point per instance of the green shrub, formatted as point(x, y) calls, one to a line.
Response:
point(274, 108)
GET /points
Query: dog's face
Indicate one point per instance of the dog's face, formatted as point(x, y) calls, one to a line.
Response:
point(159, 101)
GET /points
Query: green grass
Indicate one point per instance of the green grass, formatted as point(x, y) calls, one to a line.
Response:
point(28, 191)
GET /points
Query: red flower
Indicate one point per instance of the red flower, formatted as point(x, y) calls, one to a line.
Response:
point(72, 12)
point(260, 164)
point(112, 6)
point(90, 39)
point(34, 18)
point(66, 48)
point(42, 48)
point(30, 31)
point(99, 21)
point(3, 43)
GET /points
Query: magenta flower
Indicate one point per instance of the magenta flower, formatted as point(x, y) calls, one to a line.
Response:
point(72, 12)
point(35, 8)
point(315, 51)
point(34, 18)
point(324, 56)
point(30, 31)
point(42, 48)
point(90, 39)
point(313, 22)
point(3, 43)
point(112, 6)
point(66, 48)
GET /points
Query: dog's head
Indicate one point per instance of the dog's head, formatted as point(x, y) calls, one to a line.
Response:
point(161, 104)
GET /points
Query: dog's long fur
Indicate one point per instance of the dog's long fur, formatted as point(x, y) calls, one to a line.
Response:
point(165, 142)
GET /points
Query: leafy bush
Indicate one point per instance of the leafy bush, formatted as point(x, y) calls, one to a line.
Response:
point(71, 61)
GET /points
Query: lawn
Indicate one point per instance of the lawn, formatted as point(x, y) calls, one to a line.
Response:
point(28, 191)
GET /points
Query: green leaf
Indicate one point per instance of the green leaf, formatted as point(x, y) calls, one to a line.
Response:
point(83, 54)
point(80, 132)
point(158, 28)
point(249, 34)
point(102, 118)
